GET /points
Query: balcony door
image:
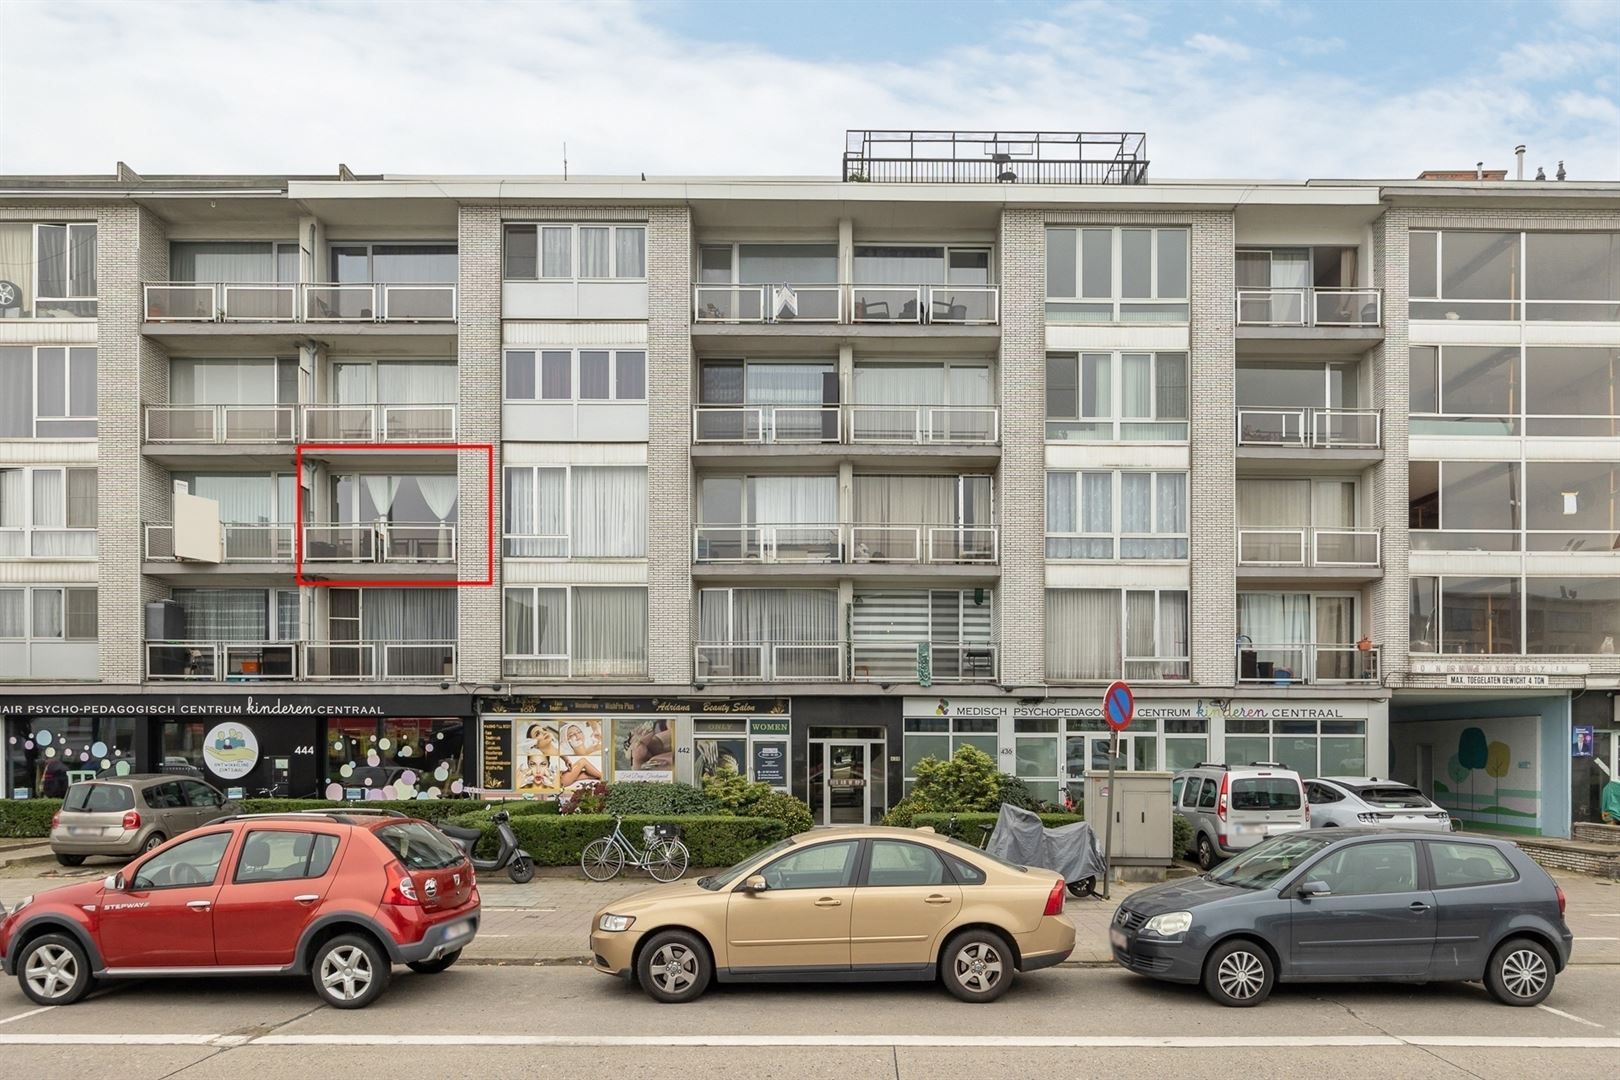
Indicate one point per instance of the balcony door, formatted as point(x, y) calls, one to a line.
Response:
point(1297, 637)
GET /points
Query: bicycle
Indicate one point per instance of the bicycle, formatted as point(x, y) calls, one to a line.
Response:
point(665, 857)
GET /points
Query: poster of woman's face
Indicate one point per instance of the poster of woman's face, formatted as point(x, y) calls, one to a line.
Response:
point(553, 755)
point(643, 749)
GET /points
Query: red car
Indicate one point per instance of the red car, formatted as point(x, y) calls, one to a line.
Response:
point(339, 895)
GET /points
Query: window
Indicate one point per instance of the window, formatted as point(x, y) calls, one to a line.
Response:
point(1103, 634)
point(580, 632)
point(1116, 275)
point(1093, 515)
point(284, 856)
point(47, 393)
point(1206, 797)
point(1466, 615)
point(769, 633)
point(551, 375)
point(1551, 391)
point(1321, 794)
point(194, 862)
point(1382, 867)
point(420, 847)
point(1125, 397)
point(548, 252)
point(166, 796)
point(256, 262)
point(577, 511)
point(1457, 865)
point(64, 270)
point(200, 794)
point(394, 264)
point(1561, 276)
point(48, 513)
point(48, 613)
point(895, 863)
point(99, 798)
point(887, 627)
point(820, 866)
point(1560, 506)
point(430, 747)
point(1265, 793)
point(239, 614)
point(965, 872)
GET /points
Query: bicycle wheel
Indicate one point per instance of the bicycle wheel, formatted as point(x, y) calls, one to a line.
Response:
point(601, 860)
point(666, 860)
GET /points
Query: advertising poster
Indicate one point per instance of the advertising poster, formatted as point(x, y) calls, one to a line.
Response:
point(643, 748)
point(723, 752)
point(770, 763)
point(497, 755)
point(553, 755)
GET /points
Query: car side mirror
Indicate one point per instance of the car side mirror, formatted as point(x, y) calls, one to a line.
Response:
point(1314, 889)
point(113, 883)
point(755, 883)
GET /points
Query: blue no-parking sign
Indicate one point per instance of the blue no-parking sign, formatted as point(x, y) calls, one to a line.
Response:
point(1119, 705)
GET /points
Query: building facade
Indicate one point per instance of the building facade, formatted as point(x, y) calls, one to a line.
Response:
point(425, 487)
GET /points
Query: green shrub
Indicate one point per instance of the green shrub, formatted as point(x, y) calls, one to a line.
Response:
point(1181, 836)
point(426, 809)
point(730, 790)
point(657, 797)
point(1015, 791)
point(966, 781)
point(967, 823)
point(788, 809)
point(26, 818)
point(712, 840)
point(901, 813)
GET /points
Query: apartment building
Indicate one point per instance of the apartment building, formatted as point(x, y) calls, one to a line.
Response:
point(435, 486)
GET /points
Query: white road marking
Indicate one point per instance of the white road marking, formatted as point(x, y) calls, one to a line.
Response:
point(1568, 1016)
point(26, 1015)
point(1598, 939)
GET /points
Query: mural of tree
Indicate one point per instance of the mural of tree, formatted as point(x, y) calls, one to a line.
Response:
point(1498, 756)
point(1473, 752)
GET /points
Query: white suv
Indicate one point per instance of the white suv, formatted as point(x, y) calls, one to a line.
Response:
point(1353, 801)
point(1233, 807)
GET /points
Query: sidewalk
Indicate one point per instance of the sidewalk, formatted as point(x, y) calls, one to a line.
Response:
point(548, 920)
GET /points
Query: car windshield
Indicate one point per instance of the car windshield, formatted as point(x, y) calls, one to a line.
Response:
point(99, 798)
point(983, 854)
point(1265, 793)
point(1394, 797)
point(1268, 861)
point(418, 846)
point(716, 882)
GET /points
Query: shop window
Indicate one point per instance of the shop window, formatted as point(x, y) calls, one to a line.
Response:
point(940, 737)
point(399, 757)
point(45, 755)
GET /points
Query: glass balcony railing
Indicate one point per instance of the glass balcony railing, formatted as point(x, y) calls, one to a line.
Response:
point(918, 305)
point(893, 424)
point(300, 661)
point(249, 542)
point(1304, 546)
point(1302, 663)
point(221, 423)
point(1310, 427)
point(834, 543)
point(381, 542)
point(363, 423)
point(380, 423)
point(235, 301)
point(1309, 307)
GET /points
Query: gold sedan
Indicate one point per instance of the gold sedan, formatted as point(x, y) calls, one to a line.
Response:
point(835, 905)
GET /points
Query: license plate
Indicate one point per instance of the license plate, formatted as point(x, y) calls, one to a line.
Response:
point(84, 830)
point(1116, 937)
point(457, 929)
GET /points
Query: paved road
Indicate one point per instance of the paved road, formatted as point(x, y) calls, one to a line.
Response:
point(494, 1021)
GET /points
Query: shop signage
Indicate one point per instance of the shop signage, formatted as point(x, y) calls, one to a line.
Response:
point(1498, 667)
point(230, 751)
point(770, 763)
point(496, 757)
point(768, 727)
point(239, 705)
point(1145, 709)
point(531, 706)
point(1481, 679)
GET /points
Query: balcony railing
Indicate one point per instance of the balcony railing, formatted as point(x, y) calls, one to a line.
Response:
point(918, 305)
point(244, 542)
point(790, 661)
point(380, 423)
point(890, 660)
point(834, 543)
point(1310, 427)
point(865, 660)
point(1306, 663)
point(221, 423)
point(1310, 307)
point(252, 661)
point(382, 542)
point(207, 301)
point(47, 543)
point(1309, 547)
point(992, 157)
point(901, 425)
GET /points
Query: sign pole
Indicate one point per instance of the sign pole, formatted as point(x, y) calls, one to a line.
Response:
point(1108, 826)
point(1119, 706)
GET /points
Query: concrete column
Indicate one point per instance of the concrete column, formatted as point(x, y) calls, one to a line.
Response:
point(1021, 507)
point(478, 358)
point(669, 445)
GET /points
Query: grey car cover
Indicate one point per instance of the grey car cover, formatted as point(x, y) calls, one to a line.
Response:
point(1071, 850)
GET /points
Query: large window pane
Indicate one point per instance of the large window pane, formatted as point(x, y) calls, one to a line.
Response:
point(1097, 259)
point(1572, 266)
point(595, 376)
point(522, 252)
point(1479, 495)
point(594, 244)
point(1573, 384)
point(555, 375)
point(1480, 381)
point(1423, 614)
point(1572, 505)
point(520, 376)
point(630, 253)
point(1423, 265)
point(557, 251)
point(1136, 263)
point(1480, 266)
point(1062, 387)
point(1424, 381)
point(1571, 615)
point(1479, 615)
point(1060, 262)
point(1172, 271)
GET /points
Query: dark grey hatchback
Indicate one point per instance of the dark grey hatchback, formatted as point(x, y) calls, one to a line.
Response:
point(1347, 905)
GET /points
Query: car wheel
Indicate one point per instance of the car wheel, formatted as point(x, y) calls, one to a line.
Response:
point(54, 970)
point(977, 966)
point(70, 860)
point(674, 967)
point(1520, 973)
point(350, 972)
point(1206, 853)
point(433, 967)
point(1239, 974)
point(153, 842)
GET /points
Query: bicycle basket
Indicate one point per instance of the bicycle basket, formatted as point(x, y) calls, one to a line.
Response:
point(663, 831)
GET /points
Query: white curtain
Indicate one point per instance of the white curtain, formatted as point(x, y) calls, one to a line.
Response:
point(250, 261)
point(225, 614)
point(439, 492)
point(1135, 502)
point(415, 382)
point(792, 500)
point(556, 252)
point(394, 615)
point(902, 384)
point(905, 500)
point(1274, 618)
point(17, 265)
point(899, 266)
point(13, 496)
point(785, 384)
point(1172, 502)
point(1268, 504)
point(13, 624)
point(630, 251)
point(224, 382)
point(1136, 382)
point(784, 615)
point(1333, 504)
point(356, 384)
point(593, 251)
point(517, 616)
point(610, 512)
point(1082, 634)
point(1062, 509)
point(536, 622)
point(381, 490)
point(47, 613)
point(609, 631)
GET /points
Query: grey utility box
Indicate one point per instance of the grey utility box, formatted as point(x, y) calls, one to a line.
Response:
point(1141, 809)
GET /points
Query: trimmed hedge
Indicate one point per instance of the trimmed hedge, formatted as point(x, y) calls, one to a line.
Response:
point(712, 840)
point(968, 822)
point(657, 797)
point(25, 818)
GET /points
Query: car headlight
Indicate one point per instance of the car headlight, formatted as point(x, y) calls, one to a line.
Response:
point(615, 922)
point(1169, 924)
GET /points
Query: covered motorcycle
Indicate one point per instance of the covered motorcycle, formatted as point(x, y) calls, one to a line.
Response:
point(1070, 850)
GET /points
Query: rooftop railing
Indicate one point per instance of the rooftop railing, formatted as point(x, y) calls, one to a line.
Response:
point(991, 157)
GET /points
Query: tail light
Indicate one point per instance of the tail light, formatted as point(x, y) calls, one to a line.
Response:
point(1563, 901)
point(1054, 899)
point(56, 819)
point(401, 890)
point(1305, 801)
point(1220, 805)
point(132, 820)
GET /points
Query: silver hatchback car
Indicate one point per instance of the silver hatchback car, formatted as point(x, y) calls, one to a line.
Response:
point(126, 815)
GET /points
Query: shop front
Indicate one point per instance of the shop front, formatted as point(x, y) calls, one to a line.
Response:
point(333, 746)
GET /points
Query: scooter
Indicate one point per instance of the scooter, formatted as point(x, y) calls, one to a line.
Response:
point(517, 863)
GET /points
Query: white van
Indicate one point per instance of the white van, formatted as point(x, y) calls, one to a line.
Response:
point(1233, 807)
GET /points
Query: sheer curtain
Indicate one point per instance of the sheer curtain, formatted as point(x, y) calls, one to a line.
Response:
point(777, 616)
point(1082, 634)
point(13, 604)
point(556, 252)
point(1274, 618)
point(785, 384)
point(245, 261)
point(610, 631)
point(904, 384)
point(517, 619)
point(905, 500)
point(1273, 504)
point(381, 491)
point(225, 614)
point(630, 252)
point(399, 615)
point(610, 512)
point(415, 382)
point(594, 244)
point(439, 492)
point(793, 500)
point(17, 265)
point(223, 382)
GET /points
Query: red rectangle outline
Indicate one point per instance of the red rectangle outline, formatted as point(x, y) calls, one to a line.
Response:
point(401, 583)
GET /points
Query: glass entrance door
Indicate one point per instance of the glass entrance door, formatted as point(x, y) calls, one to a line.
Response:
point(847, 797)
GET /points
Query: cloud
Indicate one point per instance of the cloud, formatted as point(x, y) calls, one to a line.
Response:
point(1316, 46)
point(486, 87)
